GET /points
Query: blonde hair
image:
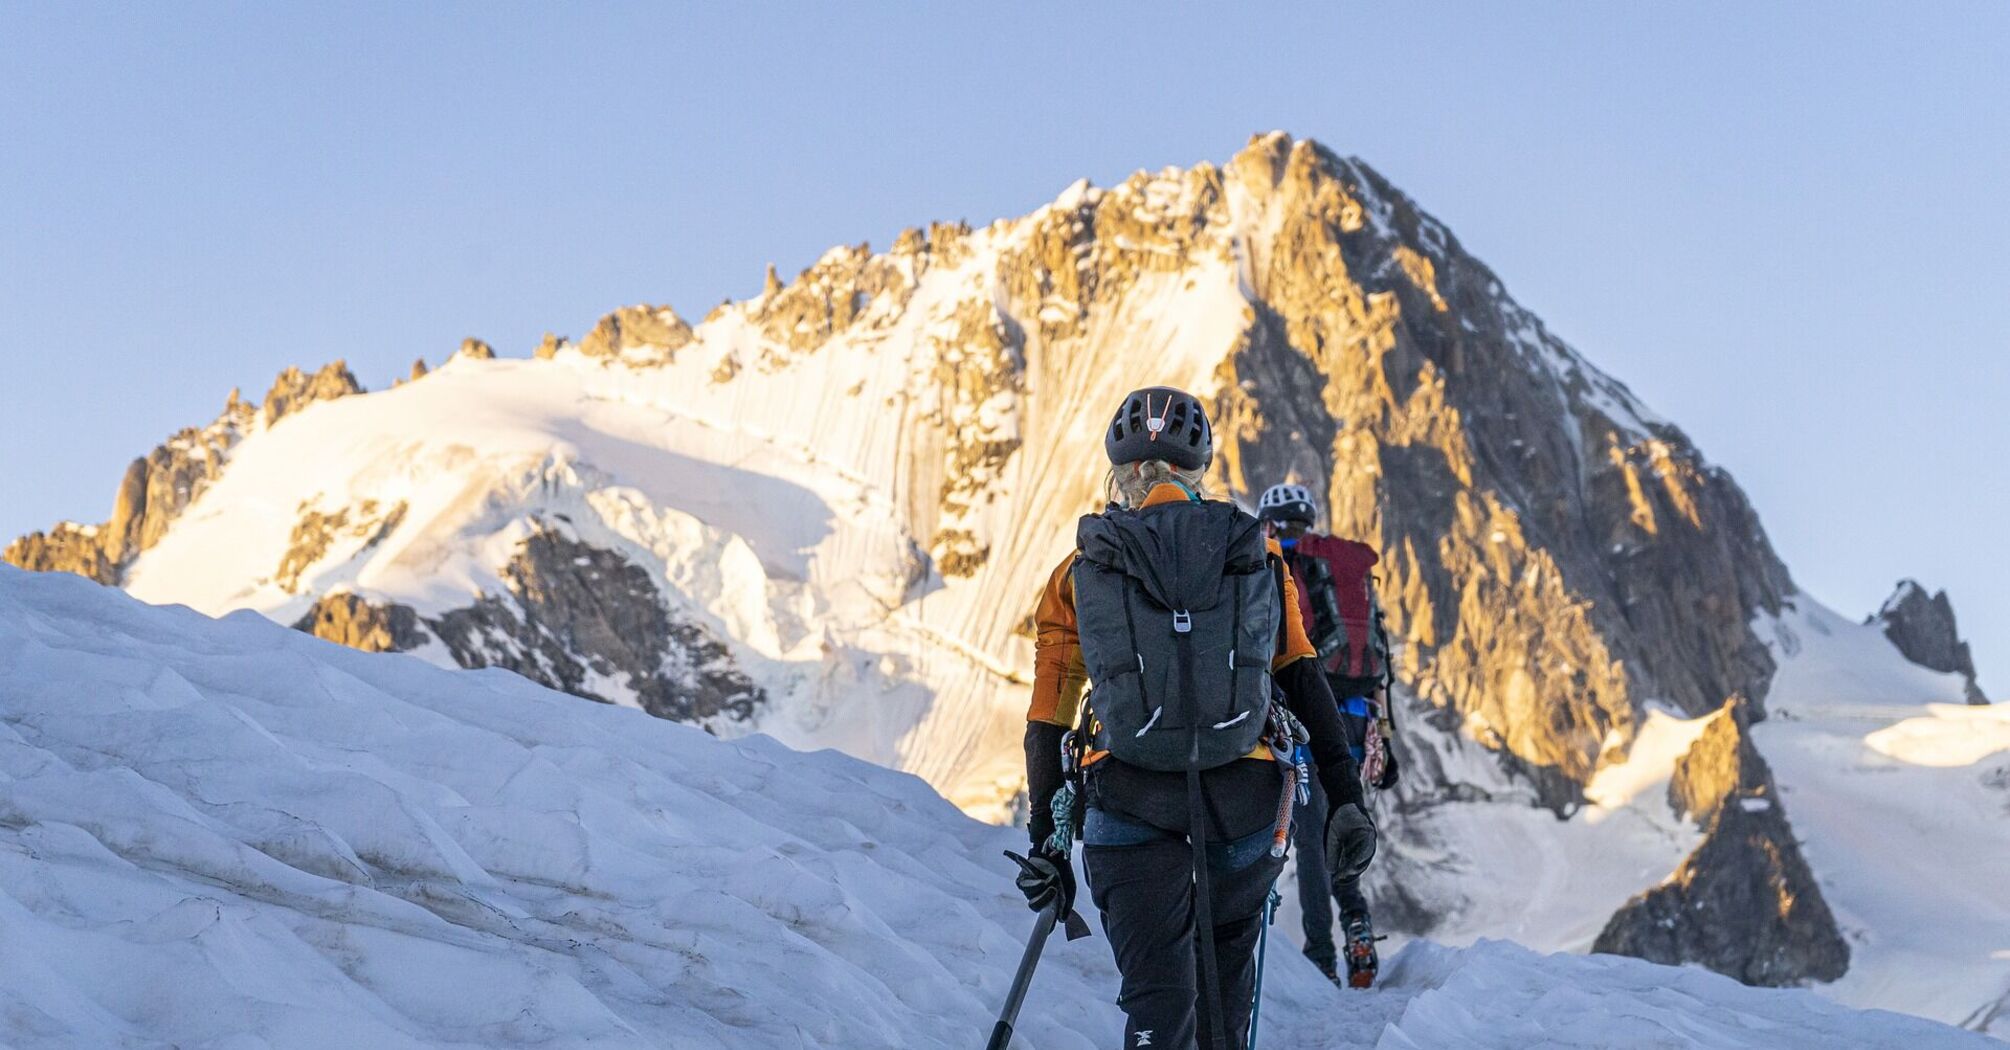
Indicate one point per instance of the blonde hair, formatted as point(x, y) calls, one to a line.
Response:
point(1129, 483)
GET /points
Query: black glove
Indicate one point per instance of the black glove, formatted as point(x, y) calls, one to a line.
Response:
point(1388, 778)
point(1350, 842)
point(1045, 877)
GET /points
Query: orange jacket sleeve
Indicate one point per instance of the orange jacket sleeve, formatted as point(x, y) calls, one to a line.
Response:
point(1058, 674)
point(1293, 643)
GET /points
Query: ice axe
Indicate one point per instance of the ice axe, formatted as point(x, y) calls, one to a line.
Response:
point(1043, 925)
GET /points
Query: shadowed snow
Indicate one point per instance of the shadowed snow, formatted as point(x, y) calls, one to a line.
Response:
point(222, 833)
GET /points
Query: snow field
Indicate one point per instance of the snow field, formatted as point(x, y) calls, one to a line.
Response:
point(1505, 868)
point(223, 833)
point(1900, 793)
point(226, 834)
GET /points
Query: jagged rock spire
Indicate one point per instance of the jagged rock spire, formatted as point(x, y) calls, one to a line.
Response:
point(1922, 626)
point(295, 390)
point(637, 328)
point(549, 346)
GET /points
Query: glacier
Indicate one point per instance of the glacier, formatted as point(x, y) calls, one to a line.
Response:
point(222, 833)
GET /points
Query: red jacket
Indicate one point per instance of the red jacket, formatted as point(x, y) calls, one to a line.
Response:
point(1352, 566)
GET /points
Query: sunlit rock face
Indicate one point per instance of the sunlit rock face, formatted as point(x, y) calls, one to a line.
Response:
point(352, 620)
point(1744, 903)
point(1554, 554)
point(295, 390)
point(157, 487)
point(1923, 628)
point(652, 331)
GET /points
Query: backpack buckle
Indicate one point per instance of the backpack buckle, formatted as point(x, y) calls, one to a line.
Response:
point(1182, 621)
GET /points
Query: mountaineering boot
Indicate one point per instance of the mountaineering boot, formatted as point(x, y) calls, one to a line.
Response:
point(1362, 961)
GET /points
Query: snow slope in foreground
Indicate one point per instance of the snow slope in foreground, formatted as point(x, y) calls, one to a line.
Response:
point(1900, 792)
point(227, 834)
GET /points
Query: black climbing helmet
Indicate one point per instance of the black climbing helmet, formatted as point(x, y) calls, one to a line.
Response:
point(1159, 422)
point(1287, 502)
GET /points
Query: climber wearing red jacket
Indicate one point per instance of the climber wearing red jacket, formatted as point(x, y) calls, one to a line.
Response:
point(1336, 596)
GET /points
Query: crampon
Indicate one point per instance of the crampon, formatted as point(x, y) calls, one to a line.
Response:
point(1362, 961)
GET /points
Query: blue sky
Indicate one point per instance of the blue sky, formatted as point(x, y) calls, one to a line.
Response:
point(1786, 226)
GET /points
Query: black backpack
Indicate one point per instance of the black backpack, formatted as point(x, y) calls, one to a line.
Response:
point(1178, 607)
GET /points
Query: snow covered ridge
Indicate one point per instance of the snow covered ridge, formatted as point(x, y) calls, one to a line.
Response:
point(1900, 792)
point(222, 833)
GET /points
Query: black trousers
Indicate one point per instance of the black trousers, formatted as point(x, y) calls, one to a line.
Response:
point(1315, 896)
point(1141, 879)
point(1315, 907)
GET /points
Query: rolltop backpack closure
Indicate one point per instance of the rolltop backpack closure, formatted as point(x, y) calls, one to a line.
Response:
point(1178, 615)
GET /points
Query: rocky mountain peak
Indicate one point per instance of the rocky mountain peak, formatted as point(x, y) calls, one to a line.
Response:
point(1745, 903)
point(294, 389)
point(1922, 626)
point(637, 334)
point(549, 346)
point(158, 486)
point(1553, 551)
point(473, 349)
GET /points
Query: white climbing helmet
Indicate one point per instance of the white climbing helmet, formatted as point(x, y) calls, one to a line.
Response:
point(1287, 502)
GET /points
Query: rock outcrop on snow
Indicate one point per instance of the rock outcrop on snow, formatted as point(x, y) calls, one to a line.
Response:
point(1745, 903)
point(1923, 628)
point(641, 330)
point(549, 346)
point(295, 390)
point(1721, 766)
point(584, 620)
point(352, 620)
point(316, 531)
point(573, 618)
point(157, 487)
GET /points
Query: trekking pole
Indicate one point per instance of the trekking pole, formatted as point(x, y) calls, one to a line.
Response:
point(1001, 1034)
point(1262, 942)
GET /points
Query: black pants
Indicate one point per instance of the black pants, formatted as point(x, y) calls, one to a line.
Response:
point(1308, 831)
point(1315, 897)
point(1141, 879)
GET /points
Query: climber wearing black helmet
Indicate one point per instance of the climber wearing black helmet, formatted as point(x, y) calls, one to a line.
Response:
point(1176, 615)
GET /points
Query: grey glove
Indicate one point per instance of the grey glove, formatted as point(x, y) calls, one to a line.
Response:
point(1350, 842)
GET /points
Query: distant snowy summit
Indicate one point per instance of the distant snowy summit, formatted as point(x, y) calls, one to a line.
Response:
point(824, 513)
